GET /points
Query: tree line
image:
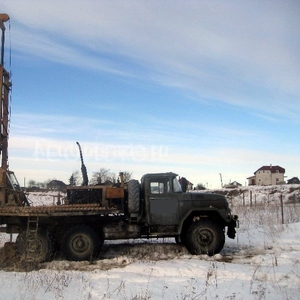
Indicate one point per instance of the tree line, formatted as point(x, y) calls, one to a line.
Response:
point(103, 176)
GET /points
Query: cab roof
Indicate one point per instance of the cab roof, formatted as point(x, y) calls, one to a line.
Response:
point(167, 174)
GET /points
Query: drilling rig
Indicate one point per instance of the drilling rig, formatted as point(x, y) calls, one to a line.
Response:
point(10, 190)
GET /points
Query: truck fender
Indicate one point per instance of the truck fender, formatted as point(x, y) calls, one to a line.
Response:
point(194, 215)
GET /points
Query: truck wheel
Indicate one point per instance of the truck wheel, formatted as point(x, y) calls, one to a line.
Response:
point(81, 243)
point(133, 196)
point(205, 237)
point(43, 246)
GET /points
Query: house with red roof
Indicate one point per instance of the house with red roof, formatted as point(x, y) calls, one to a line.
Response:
point(267, 175)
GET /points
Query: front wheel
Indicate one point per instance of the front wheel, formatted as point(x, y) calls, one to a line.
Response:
point(205, 237)
point(81, 243)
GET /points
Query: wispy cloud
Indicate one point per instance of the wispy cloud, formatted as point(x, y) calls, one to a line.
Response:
point(105, 130)
point(40, 159)
point(59, 126)
point(215, 50)
point(232, 67)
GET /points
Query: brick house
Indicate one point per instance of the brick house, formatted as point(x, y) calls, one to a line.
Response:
point(267, 175)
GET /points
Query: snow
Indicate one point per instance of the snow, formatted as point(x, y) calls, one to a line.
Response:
point(261, 263)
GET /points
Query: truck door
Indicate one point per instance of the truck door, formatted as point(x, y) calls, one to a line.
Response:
point(163, 202)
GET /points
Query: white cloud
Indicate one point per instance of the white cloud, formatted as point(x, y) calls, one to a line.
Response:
point(41, 159)
point(217, 50)
point(244, 54)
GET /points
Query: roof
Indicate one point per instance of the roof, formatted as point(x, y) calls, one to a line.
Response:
point(167, 174)
point(273, 169)
point(56, 184)
point(235, 183)
point(293, 180)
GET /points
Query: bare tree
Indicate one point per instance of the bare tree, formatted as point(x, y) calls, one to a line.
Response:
point(100, 177)
point(200, 186)
point(31, 183)
point(104, 175)
point(74, 179)
point(127, 175)
point(44, 184)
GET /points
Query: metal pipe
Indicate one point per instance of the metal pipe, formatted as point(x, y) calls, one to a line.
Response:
point(3, 18)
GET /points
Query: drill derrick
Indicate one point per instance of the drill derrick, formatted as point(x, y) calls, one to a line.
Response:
point(10, 190)
point(5, 85)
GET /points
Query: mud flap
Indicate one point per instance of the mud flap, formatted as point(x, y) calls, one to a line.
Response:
point(231, 230)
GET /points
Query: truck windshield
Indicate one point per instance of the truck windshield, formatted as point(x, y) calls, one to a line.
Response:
point(177, 186)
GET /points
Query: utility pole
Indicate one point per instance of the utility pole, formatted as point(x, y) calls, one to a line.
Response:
point(221, 180)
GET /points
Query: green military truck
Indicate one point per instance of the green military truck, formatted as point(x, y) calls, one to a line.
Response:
point(89, 215)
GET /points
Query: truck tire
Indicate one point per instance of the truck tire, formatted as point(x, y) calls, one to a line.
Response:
point(205, 237)
point(133, 196)
point(81, 243)
point(44, 246)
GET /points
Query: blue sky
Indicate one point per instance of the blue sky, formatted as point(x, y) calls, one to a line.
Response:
point(194, 87)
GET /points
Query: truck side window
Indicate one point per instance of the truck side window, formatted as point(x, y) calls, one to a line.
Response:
point(158, 187)
point(177, 186)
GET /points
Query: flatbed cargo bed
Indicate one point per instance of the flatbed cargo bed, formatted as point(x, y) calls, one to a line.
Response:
point(58, 210)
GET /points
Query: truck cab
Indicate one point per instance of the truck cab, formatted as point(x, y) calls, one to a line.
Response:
point(168, 211)
point(161, 194)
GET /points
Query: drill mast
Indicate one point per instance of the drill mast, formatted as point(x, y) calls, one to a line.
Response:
point(5, 86)
point(10, 190)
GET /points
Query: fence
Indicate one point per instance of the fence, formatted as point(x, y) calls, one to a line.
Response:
point(261, 209)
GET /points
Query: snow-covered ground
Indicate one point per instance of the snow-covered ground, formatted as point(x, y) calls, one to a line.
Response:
point(263, 262)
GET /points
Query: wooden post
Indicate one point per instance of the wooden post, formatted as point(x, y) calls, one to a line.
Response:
point(58, 199)
point(281, 205)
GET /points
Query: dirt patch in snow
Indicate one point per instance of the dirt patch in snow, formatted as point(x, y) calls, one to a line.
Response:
point(120, 255)
point(8, 256)
point(11, 260)
point(113, 255)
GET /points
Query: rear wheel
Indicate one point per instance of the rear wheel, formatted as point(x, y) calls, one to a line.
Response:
point(42, 246)
point(205, 237)
point(81, 243)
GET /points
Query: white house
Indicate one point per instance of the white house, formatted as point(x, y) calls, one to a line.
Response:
point(267, 175)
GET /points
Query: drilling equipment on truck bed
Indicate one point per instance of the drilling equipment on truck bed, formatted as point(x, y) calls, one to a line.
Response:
point(83, 168)
point(10, 190)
